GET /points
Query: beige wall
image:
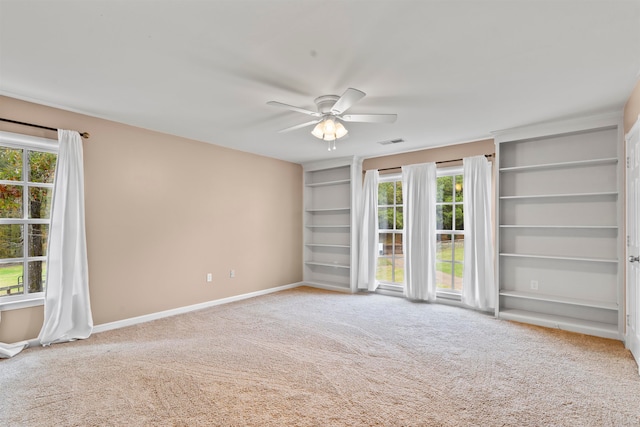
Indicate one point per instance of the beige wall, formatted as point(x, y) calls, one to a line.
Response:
point(439, 154)
point(163, 211)
point(632, 108)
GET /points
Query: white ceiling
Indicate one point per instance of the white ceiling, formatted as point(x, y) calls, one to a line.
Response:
point(453, 71)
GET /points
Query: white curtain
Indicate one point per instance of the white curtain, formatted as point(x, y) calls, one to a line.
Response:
point(67, 311)
point(368, 253)
point(478, 283)
point(419, 206)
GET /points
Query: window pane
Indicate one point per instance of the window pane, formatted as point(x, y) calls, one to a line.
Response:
point(385, 193)
point(11, 279)
point(398, 244)
point(385, 218)
point(444, 192)
point(384, 269)
point(459, 217)
point(457, 276)
point(444, 217)
point(458, 249)
point(399, 219)
point(398, 264)
point(443, 275)
point(11, 201)
point(385, 244)
point(458, 188)
point(38, 235)
point(39, 202)
point(37, 274)
point(41, 166)
point(398, 192)
point(444, 247)
point(11, 241)
point(10, 164)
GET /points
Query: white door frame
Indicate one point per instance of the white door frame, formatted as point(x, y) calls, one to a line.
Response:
point(632, 264)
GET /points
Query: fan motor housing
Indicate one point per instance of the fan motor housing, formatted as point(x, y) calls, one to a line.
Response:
point(325, 103)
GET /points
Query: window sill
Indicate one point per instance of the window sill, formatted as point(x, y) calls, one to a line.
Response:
point(444, 297)
point(390, 290)
point(31, 301)
point(448, 295)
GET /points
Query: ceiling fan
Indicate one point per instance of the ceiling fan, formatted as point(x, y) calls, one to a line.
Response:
point(330, 115)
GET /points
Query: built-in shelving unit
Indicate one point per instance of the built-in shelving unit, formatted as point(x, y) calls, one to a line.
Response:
point(559, 240)
point(329, 249)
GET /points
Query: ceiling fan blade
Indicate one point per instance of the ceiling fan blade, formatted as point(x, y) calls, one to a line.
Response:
point(348, 98)
point(370, 118)
point(292, 108)
point(312, 122)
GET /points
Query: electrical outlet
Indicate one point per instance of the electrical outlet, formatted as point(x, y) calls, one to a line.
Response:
point(209, 277)
point(232, 274)
point(534, 285)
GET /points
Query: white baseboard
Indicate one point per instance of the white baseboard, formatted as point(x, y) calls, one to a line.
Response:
point(181, 310)
point(326, 287)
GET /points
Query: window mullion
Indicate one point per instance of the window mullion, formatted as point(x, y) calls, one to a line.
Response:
point(25, 216)
point(393, 236)
point(453, 228)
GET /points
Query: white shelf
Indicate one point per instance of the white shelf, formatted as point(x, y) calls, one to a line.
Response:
point(605, 330)
point(561, 165)
point(347, 209)
point(327, 264)
point(567, 227)
point(566, 195)
point(562, 300)
point(571, 174)
point(562, 258)
point(328, 217)
point(328, 285)
point(323, 245)
point(325, 183)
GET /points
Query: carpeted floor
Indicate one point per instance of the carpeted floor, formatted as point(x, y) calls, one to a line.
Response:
point(307, 357)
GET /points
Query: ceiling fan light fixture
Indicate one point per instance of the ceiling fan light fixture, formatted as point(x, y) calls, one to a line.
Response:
point(329, 126)
point(318, 131)
point(329, 130)
point(340, 130)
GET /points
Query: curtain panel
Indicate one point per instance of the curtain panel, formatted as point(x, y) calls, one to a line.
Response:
point(67, 310)
point(478, 283)
point(368, 254)
point(419, 210)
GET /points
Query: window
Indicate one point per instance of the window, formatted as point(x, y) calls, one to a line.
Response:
point(390, 266)
point(449, 230)
point(27, 167)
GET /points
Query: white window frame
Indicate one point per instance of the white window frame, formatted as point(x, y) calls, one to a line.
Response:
point(448, 296)
point(449, 171)
point(31, 143)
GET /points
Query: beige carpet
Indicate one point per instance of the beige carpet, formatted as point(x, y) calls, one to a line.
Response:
point(307, 357)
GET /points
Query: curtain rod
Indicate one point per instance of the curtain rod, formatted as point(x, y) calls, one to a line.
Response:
point(440, 162)
point(85, 135)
